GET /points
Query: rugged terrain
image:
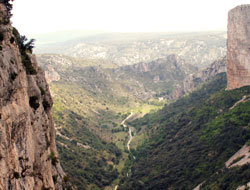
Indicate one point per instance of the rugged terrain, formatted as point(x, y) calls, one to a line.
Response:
point(199, 49)
point(194, 80)
point(92, 99)
point(132, 111)
point(93, 96)
point(201, 131)
point(202, 140)
point(238, 57)
point(28, 155)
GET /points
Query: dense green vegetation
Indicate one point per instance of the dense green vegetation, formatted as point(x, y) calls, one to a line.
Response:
point(180, 146)
point(105, 80)
point(89, 161)
point(88, 125)
point(90, 103)
point(191, 140)
point(228, 178)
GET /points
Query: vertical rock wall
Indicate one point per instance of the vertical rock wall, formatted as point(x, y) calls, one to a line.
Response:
point(238, 47)
point(28, 156)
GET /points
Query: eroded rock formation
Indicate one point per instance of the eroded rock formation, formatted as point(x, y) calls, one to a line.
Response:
point(28, 155)
point(238, 47)
point(195, 80)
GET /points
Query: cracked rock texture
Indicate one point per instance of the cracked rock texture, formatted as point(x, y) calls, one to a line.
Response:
point(238, 47)
point(28, 156)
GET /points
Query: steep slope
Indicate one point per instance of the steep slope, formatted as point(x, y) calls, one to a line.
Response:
point(92, 97)
point(191, 140)
point(238, 57)
point(28, 155)
point(143, 81)
point(161, 76)
point(193, 81)
point(89, 104)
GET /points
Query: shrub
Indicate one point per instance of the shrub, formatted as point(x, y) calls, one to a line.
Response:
point(53, 158)
point(24, 44)
point(30, 70)
point(24, 47)
point(15, 33)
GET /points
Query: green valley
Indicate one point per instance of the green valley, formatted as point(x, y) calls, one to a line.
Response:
point(191, 140)
point(119, 125)
point(90, 103)
point(124, 95)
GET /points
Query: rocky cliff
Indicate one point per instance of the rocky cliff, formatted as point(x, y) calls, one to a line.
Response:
point(238, 47)
point(194, 80)
point(28, 155)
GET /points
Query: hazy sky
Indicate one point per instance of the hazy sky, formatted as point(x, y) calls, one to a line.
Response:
point(40, 16)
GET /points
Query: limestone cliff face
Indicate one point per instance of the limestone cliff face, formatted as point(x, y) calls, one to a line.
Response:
point(195, 80)
point(238, 47)
point(28, 156)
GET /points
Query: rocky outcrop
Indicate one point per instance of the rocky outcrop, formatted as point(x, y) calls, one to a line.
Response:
point(195, 80)
point(238, 47)
point(28, 155)
point(240, 158)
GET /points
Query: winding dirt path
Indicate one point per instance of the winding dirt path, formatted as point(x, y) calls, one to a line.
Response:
point(130, 136)
point(130, 139)
point(123, 122)
point(130, 131)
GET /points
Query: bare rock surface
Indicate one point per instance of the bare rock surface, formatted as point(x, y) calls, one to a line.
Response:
point(240, 158)
point(28, 155)
point(238, 47)
point(195, 80)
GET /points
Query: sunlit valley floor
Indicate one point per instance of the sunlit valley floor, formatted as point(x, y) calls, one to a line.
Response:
point(113, 107)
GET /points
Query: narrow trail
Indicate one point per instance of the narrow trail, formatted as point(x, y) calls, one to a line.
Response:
point(244, 98)
point(123, 122)
point(130, 139)
point(130, 136)
point(130, 131)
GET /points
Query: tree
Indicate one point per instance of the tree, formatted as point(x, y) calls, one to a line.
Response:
point(26, 45)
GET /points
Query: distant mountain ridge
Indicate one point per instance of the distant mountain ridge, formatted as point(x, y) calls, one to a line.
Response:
point(199, 49)
point(159, 77)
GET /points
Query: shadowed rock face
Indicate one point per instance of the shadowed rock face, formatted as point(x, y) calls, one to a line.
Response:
point(28, 156)
point(193, 81)
point(238, 47)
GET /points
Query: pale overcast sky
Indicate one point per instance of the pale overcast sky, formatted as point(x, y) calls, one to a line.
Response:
point(41, 16)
